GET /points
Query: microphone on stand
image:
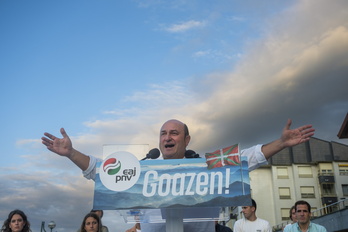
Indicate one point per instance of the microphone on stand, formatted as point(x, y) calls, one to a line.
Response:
point(191, 154)
point(153, 154)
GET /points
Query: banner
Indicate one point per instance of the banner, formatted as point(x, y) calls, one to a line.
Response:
point(124, 182)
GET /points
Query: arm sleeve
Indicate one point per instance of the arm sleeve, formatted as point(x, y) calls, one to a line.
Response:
point(255, 157)
point(90, 172)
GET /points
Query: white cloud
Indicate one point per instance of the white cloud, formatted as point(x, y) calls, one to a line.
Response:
point(202, 53)
point(185, 26)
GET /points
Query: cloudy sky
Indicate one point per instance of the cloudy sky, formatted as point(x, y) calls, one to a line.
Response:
point(111, 72)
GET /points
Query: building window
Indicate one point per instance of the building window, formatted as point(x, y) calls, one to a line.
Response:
point(307, 192)
point(325, 169)
point(326, 172)
point(345, 189)
point(285, 214)
point(282, 173)
point(328, 189)
point(284, 193)
point(305, 172)
point(343, 169)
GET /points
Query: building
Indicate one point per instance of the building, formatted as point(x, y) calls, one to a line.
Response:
point(343, 133)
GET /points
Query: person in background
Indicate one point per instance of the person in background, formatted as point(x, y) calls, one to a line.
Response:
point(90, 223)
point(250, 222)
point(292, 216)
point(16, 221)
point(100, 214)
point(303, 216)
point(173, 140)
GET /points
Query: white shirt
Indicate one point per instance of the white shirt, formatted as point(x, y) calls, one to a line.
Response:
point(259, 225)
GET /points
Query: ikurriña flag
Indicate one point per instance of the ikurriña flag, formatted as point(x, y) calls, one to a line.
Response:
point(225, 156)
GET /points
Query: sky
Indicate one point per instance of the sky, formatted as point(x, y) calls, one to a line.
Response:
point(112, 72)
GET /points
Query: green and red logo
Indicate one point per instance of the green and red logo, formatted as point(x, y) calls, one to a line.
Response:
point(112, 166)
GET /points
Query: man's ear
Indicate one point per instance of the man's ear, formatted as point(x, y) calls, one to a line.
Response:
point(187, 140)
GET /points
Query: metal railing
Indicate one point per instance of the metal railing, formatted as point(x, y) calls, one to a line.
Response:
point(334, 207)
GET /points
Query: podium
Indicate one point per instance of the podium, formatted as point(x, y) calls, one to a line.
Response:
point(174, 192)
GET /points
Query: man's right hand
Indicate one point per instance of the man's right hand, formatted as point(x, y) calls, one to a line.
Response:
point(135, 228)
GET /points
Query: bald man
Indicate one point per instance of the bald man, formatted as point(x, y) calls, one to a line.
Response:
point(174, 138)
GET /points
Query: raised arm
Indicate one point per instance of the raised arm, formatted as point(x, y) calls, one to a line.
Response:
point(289, 138)
point(63, 147)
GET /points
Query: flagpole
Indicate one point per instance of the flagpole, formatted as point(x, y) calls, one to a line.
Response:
point(241, 169)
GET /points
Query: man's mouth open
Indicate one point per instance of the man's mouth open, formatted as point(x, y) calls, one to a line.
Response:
point(169, 145)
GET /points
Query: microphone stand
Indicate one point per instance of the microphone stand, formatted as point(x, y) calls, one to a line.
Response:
point(174, 220)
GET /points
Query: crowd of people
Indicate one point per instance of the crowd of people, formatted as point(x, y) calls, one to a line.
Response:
point(173, 141)
point(300, 215)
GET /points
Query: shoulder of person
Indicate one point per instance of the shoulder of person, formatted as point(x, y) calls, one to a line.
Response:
point(263, 220)
point(290, 227)
point(239, 221)
point(319, 226)
point(105, 229)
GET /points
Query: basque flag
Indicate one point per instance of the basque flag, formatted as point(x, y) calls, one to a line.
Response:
point(224, 156)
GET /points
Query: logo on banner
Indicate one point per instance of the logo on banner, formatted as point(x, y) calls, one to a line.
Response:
point(112, 166)
point(119, 171)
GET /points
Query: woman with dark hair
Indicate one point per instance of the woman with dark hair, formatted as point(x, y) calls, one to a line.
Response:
point(16, 222)
point(91, 223)
point(100, 214)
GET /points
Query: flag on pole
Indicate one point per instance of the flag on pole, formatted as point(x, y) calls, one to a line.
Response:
point(225, 156)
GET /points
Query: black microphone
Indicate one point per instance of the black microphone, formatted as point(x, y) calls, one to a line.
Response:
point(191, 154)
point(153, 154)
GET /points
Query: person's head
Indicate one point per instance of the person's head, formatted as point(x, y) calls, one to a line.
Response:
point(90, 223)
point(16, 222)
point(292, 214)
point(174, 138)
point(249, 212)
point(303, 212)
point(98, 212)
